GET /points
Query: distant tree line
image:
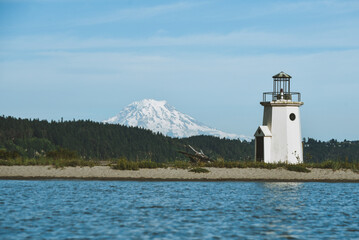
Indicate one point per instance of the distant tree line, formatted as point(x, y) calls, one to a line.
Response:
point(31, 138)
point(320, 151)
point(94, 140)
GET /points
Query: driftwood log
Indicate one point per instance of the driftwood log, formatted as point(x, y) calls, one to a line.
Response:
point(196, 156)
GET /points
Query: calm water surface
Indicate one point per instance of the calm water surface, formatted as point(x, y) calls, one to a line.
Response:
point(177, 210)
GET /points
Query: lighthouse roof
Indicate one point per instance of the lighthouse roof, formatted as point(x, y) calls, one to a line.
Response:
point(282, 75)
point(263, 131)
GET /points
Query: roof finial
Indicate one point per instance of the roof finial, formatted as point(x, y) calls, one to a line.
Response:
point(282, 75)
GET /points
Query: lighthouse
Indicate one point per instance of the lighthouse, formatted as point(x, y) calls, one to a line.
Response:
point(279, 139)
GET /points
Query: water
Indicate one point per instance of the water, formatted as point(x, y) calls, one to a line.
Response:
point(177, 210)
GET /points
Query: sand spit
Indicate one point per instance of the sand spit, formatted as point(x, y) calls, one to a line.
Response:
point(170, 174)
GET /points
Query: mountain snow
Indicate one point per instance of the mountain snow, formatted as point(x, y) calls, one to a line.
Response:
point(158, 116)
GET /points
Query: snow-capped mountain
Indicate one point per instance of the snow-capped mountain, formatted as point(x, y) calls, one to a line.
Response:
point(158, 116)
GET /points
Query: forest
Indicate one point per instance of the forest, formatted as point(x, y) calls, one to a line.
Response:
point(89, 140)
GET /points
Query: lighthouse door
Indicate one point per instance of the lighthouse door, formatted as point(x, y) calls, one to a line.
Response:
point(259, 149)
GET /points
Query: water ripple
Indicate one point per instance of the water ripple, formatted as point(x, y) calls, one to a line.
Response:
point(177, 210)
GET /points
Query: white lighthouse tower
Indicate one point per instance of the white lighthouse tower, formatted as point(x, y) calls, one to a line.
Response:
point(279, 139)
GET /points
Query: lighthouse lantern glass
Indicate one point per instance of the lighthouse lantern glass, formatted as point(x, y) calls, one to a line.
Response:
point(281, 89)
point(281, 84)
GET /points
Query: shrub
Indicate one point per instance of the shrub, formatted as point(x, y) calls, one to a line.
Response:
point(124, 164)
point(62, 153)
point(4, 154)
point(223, 164)
point(199, 170)
point(180, 164)
point(61, 163)
point(150, 164)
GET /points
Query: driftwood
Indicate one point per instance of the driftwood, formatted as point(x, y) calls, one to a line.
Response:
point(197, 157)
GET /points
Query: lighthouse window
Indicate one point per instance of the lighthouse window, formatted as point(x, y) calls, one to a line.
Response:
point(292, 116)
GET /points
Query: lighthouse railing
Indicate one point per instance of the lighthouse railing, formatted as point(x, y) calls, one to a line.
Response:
point(274, 96)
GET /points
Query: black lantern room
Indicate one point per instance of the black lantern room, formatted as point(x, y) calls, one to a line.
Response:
point(281, 85)
point(281, 88)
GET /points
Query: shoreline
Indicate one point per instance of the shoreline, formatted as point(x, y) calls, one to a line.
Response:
point(105, 173)
point(175, 179)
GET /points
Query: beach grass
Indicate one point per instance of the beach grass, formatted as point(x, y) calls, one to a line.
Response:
point(297, 168)
point(124, 164)
point(199, 170)
point(57, 163)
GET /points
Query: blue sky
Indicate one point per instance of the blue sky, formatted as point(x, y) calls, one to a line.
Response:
point(212, 59)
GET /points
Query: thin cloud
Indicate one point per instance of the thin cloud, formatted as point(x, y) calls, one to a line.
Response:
point(331, 39)
point(137, 13)
point(325, 7)
point(286, 9)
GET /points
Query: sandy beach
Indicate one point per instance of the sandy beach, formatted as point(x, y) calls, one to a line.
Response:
point(170, 174)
